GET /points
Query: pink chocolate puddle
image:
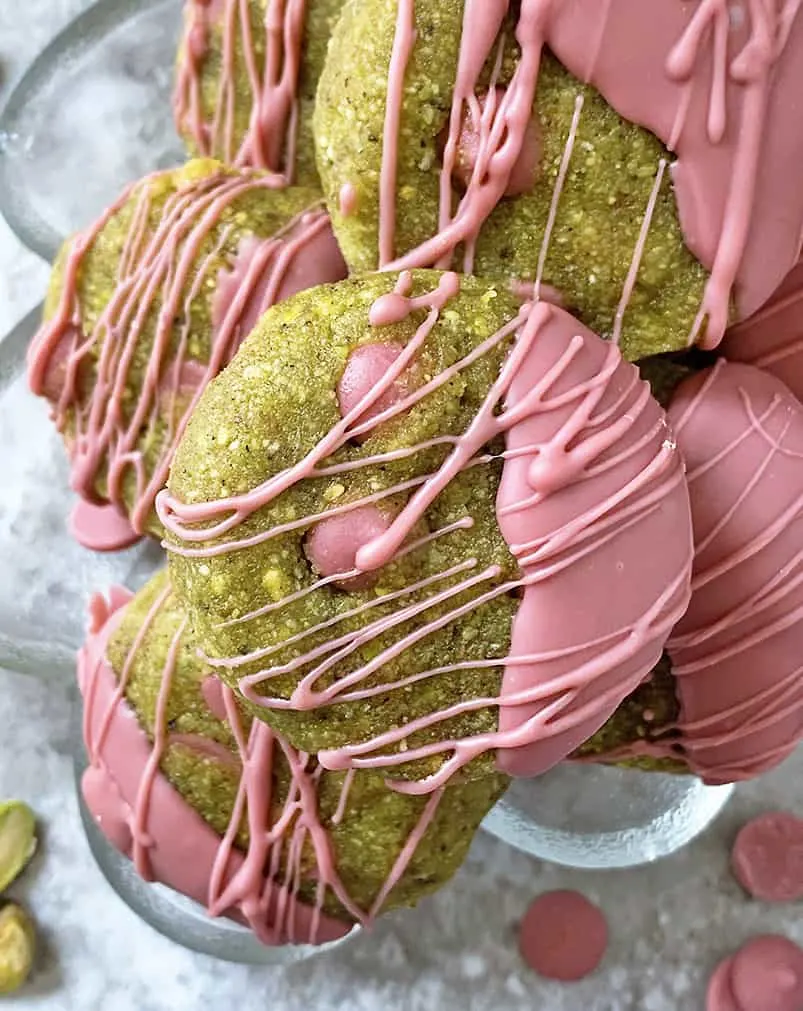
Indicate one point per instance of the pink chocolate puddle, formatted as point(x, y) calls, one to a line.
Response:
point(563, 936)
point(101, 527)
point(767, 857)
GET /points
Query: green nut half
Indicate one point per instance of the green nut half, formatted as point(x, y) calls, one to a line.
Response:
point(17, 947)
point(17, 840)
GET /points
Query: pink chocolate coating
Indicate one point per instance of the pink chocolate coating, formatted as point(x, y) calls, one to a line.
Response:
point(719, 996)
point(101, 527)
point(108, 807)
point(333, 543)
point(163, 272)
point(738, 650)
point(772, 338)
point(767, 857)
point(366, 365)
point(767, 975)
point(563, 936)
point(718, 84)
point(146, 818)
point(591, 488)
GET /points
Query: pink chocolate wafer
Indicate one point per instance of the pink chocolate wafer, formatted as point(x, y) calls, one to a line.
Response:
point(563, 936)
point(767, 857)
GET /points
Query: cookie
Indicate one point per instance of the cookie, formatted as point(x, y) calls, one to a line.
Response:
point(411, 522)
point(246, 79)
point(149, 304)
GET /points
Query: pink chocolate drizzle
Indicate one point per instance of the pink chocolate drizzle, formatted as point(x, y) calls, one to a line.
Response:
point(737, 653)
point(725, 103)
point(270, 141)
point(772, 339)
point(148, 820)
point(591, 481)
point(563, 936)
point(154, 272)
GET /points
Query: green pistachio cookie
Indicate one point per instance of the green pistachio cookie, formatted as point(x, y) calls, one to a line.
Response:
point(147, 305)
point(232, 815)
point(589, 199)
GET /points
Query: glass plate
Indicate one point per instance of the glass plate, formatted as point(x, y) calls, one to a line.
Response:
point(91, 114)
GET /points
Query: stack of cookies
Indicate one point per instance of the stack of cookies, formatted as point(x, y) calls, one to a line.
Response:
point(457, 373)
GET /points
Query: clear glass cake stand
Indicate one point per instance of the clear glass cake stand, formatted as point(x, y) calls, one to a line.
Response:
point(594, 816)
point(91, 114)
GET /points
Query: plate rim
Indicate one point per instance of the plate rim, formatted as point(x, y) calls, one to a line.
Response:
point(78, 36)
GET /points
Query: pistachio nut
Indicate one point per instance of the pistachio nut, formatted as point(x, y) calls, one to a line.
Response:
point(17, 947)
point(17, 840)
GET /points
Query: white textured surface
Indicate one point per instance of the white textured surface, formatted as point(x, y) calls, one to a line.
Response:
point(670, 923)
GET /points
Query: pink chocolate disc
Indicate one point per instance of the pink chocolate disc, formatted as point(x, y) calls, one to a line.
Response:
point(563, 936)
point(720, 992)
point(767, 857)
point(101, 527)
point(767, 975)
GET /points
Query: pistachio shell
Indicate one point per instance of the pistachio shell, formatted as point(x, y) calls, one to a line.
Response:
point(17, 840)
point(17, 947)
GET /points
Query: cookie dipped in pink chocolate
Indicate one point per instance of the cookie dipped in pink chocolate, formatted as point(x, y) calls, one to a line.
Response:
point(736, 654)
point(145, 309)
point(772, 338)
point(217, 806)
point(468, 545)
point(246, 76)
